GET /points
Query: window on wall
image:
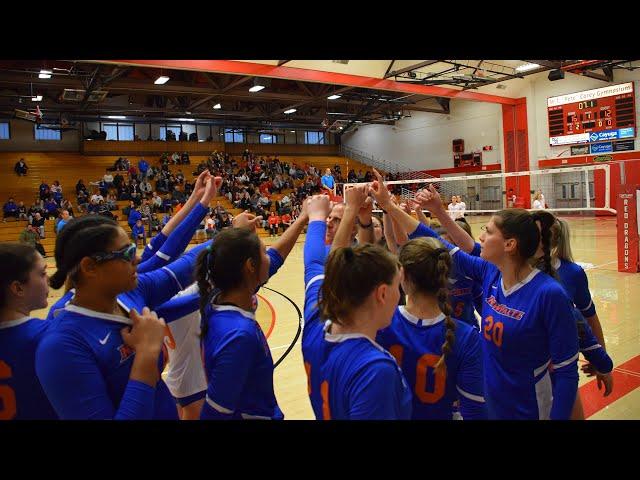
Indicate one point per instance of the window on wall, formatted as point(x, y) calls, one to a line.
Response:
point(46, 133)
point(268, 138)
point(173, 128)
point(233, 136)
point(111, 131)
point(125, 132)
point(4, 131)
point(314, 138)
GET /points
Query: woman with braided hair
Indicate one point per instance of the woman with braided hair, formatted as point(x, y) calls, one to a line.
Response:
point(528, 326)
point(439, 355)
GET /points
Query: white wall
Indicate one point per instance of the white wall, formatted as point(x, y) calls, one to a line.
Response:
point(424, 141)
point(22, 139)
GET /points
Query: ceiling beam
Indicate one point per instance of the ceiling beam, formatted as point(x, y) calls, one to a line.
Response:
point(409, 68)
point(211, 80)
point(389, 68)
point(282, 62)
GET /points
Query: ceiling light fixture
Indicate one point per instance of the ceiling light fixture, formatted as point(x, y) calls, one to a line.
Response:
point(37, 98)
point(161, 80)
point(526, 67)
point(116, 117)
point(333, 97)
point(217, 106)
point(291, 110)
point(45, 74)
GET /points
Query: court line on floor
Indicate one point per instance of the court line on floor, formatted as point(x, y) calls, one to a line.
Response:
point(625, 380)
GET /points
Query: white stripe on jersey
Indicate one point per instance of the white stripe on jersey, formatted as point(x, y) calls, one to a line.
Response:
point(163, 256)
point(592, 347)
point(174, 277)
point(541, 369)
point(470, 396)
point(544, 397)
point(217, 407)
point(313, 280)
point(566, 362)
point(246, 416)
point(587, 307)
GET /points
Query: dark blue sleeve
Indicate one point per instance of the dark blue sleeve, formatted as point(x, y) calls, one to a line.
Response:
point(374, 392)
point(61, 303)
point(558, 318)
point(74, 385)
point(315, 253)
point(227, 379)
point(158, 286)
point(593, 351)
point(478, 296)
point(276, 261)
point(582, 296)
point(177, 241)
point(152, 247)
point(470, 381)
point(476, 250)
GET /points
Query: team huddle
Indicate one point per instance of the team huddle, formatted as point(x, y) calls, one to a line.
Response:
point(390, 329)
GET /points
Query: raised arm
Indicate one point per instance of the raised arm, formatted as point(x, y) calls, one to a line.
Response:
point(431, 201)
point(354, 199)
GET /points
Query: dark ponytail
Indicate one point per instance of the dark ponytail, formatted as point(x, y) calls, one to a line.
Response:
point(17, 260)
point(219, 268)
point(546, 220)
point(426, 266)
point(80, 238)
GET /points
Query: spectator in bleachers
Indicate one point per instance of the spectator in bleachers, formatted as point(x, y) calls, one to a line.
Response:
point(146, 210)
point(96, 197)
point(143, 166)
point(145, 187)
point(134, 192)
point(31, 237)
point(10, 210)
point(134, 216)
point(162, 185)
point(44, 190)
point(209, 226)
point(35, 208)
point(20, 167)
point(177, 195)
point(66, 205)
point(285, 221)
point(180, 177)
point(50, 208)
point(327, 181)
point(175, 158)
point(274, 224)
point(64, 219)
point(108, 180)
point(138, 233)
point(285, 204)
point(185, 158)
point(37, 222)
point(156, 202)
point(22, 211)
point(111, 202)
point(82, 200)
point(133, 172)
point(80, 186)
point(167, 204)
point(118, 180)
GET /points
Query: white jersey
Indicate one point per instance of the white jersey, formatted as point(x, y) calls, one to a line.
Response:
point(538, 205)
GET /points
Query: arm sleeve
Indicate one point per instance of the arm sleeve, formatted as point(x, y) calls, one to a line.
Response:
point(583, 297)
point(562, 331)
point(375, 392)
point(476, 250)
point(158, 286)
point(315, 253)
point(475, 268)
point(76, 389)
point(177, 241)
point(227, 378)
point(152, 247)
point(470, 382)
point(478, 295)
point(276, 261)
point(593, 351)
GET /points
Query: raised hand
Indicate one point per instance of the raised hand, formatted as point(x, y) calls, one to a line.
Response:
point(356, 196)
point(147, 332)
point(380, 191)
point(246, 220)
point(430, 199)
point(318, 207)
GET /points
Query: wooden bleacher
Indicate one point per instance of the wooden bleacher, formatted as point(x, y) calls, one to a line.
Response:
point(69, 167)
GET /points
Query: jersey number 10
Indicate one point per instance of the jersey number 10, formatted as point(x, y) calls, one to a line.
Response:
point(7, 395)
point(425, 363)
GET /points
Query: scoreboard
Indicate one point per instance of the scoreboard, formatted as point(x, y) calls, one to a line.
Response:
point(593, 115)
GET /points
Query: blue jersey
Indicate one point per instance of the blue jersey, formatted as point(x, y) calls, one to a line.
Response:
point(84, 367)
point(525, 330)
point(238, 366)
point(575, 282)
point(177, 241)
point(349, 376)
point(152, 247)
point(21, 395)
point(461, 298)
point(417, 346)
point(590, 347)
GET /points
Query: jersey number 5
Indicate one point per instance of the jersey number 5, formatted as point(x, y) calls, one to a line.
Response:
point(7, 395)
point(425, 362)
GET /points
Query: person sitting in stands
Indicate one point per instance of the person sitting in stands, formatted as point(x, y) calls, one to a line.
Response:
point(10, 210)
point(138, 233)
point(20, 168)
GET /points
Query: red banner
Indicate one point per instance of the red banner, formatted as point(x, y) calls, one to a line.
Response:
point(627, 217)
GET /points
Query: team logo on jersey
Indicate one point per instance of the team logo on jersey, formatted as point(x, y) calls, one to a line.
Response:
point(459, 292)
point(503, 309)
point(125, 352)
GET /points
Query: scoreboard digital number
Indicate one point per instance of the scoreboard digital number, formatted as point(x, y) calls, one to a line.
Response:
point(601, 114)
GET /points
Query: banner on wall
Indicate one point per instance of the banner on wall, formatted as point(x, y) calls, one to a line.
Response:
point(602, 147)
point(580, 150)
point(624, 145)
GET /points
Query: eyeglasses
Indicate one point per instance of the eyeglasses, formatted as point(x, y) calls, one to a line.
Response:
point(483, 228)
point(127, 254)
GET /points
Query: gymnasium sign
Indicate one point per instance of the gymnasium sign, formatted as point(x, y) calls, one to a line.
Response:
point(596, 115)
